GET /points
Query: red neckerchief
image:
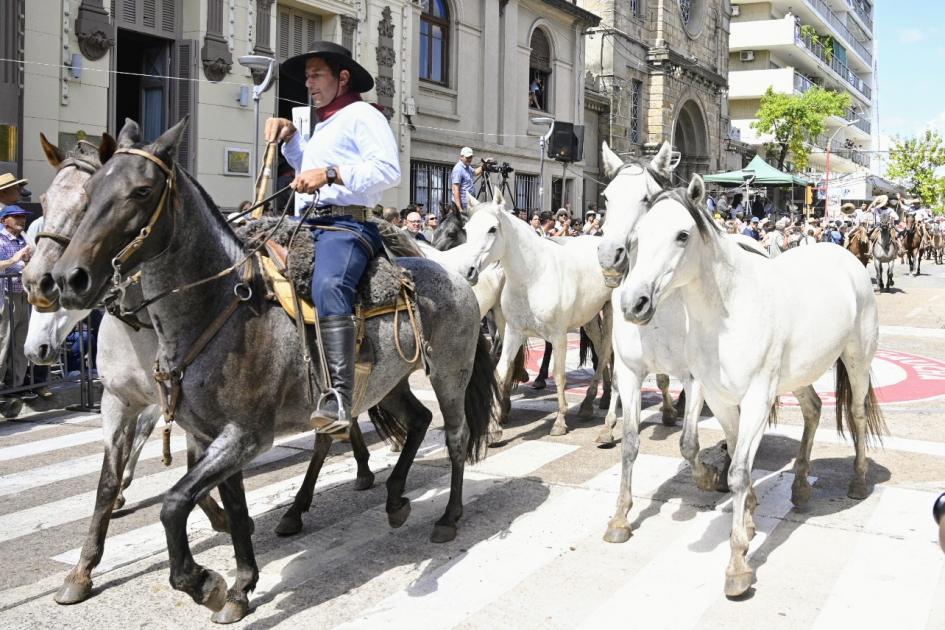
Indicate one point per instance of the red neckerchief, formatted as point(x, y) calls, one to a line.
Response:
point(326, 112)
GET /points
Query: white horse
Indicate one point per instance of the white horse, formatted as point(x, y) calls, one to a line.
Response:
point(758, 328)
point(550, 288)
point(643, 350)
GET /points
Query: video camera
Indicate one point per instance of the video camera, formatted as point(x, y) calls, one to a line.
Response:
point(489, 166)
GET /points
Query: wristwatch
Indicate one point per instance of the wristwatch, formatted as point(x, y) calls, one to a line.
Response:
point(331, 175)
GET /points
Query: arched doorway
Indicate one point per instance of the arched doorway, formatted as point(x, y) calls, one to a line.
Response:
point(691, 139)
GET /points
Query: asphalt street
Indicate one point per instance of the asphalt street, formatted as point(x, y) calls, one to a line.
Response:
point(529, 553)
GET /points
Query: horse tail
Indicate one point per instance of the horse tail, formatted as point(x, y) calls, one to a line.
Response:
point(389, 427)
point(586, 347)
point(875, 423)
point(481, 402)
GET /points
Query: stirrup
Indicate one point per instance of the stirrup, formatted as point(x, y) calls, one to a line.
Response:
point(336, 429)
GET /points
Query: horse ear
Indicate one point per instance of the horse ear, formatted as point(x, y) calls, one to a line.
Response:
point(663, 162)
point(611, 160)
point(106, 148)
point(696, 189)
point(129, 135)
point(53, 155)
point(166, 145)
point(473, 205)
point(498, 199)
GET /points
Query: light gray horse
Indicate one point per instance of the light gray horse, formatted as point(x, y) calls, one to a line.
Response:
point(125, 360)
point(248, 383)
point(885, 249)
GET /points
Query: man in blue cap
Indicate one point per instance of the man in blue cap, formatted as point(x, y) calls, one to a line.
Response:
point(350, 159)
point(15, 252)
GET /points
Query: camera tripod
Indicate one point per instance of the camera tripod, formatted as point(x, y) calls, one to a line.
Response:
point(486, 189)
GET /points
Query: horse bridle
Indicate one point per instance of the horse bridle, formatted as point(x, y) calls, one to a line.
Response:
point(85, 166)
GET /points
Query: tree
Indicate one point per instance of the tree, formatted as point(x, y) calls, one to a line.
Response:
point(917, 160)
point(795, 119)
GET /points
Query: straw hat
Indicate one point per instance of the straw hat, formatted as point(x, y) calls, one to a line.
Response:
point(9, 179)
point(848, 208)
point(879, 202)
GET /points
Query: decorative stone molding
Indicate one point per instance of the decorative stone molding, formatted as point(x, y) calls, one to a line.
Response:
point(348, 25)
point(386, 57)
point(216, 58)
point(94, 30)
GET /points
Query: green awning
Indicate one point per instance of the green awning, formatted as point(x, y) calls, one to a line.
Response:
point(765, 175)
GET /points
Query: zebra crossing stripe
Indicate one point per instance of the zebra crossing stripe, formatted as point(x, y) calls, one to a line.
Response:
point(9, 453)
point(27, 426)
point(891, 578)
point(149, 540)
point(61, 471)
point(695, 563)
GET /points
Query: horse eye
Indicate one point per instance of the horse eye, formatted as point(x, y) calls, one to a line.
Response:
point(493, 229)
point(646, 199)
point(142, 191)
point(682, 238)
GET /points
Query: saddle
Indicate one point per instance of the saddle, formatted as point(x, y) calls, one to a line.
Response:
point(384, 288)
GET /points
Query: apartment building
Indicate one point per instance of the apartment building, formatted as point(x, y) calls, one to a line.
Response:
point(792, 45)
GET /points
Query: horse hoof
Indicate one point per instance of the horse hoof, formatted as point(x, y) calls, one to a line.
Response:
point(213, 591)
point(443, 533)
point(605, 437)
point(539, 383)
point(364, 482)
point(738, 584)
point(617, 534)
point(604, 402)
point(494, 437)
point(858, 490)
point(290, 524)
point(800, 495)
point(558, 429)
point(119, 502)
point(231, 612)
point(398, 517)
point(669, 418)
point(586, 413)
point(73, 592)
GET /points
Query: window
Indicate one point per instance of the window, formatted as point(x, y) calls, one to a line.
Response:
point(434, 41)
point(430, 184)
point(526, 192)
point(636, 96)
point(297, 30)
point(636, 8)
point(539, 72)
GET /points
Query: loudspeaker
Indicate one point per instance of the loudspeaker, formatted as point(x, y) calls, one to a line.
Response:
point(566, 143)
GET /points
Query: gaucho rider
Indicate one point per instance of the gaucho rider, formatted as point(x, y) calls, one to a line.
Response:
point(350, 159)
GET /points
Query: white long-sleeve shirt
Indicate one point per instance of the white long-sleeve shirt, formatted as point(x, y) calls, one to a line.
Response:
point(357, 140)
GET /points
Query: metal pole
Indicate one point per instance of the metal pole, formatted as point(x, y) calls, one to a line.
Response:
point(827, 185)
point(256, 139)
point(541, 175)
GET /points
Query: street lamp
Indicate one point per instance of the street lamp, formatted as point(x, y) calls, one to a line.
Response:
point(542, 120)
point(259, 63)
point(827, 174)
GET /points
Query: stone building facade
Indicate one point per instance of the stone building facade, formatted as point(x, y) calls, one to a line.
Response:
point(657, 70)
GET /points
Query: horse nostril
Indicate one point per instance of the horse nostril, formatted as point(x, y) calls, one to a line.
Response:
point(47, 285)
point(620, 253)
point(78, 280)
point(641, 305)
point(44, 351)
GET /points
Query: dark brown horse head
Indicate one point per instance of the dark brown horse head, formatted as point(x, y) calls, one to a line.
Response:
point(125, 197)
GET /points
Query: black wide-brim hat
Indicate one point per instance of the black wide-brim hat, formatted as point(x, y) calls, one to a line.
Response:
point(361, 79)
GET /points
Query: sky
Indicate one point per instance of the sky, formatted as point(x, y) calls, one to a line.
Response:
point(910, 36)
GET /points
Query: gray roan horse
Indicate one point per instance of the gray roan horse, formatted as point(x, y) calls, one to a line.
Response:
point(125, 359)
point(884, 251)
point(248, 383)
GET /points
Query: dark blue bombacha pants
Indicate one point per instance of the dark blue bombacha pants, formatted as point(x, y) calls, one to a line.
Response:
point(341, 256)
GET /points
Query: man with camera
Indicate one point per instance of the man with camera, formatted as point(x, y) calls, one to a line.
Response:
point(462, 178)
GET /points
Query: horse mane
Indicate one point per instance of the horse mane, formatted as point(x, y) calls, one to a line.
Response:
point(706, 225)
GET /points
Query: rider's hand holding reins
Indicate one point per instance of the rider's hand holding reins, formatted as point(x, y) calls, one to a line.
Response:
point(279, 129)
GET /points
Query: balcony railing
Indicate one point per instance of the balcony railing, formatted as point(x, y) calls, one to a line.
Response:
point(802, 83)
point(863, 9)
point(841, 28)
point(835, 64)
point(862, 123)
point(843, 150)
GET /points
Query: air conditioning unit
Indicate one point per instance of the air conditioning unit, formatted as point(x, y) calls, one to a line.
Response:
point(736, 10)
point(747, 55)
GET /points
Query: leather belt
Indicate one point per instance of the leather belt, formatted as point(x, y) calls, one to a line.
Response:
point(358, 213)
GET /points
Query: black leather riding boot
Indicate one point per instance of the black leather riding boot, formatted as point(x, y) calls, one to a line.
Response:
point(338, 341)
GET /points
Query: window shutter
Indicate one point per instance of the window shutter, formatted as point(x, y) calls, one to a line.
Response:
point(169, 17)
point(149, 13)
point(185, 100)
point(283, 35)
